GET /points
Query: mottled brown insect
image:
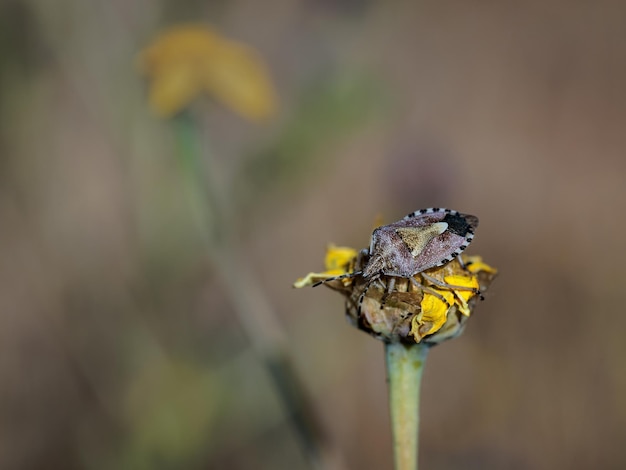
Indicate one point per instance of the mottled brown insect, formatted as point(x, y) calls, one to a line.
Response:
point(424, 239)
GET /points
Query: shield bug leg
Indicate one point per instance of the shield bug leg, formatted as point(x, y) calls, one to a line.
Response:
point(431, 291)
point(388, 291)
point(461, 262)
point(375, 279)
point(445, 285)
point(361, 297)
point(380, 283)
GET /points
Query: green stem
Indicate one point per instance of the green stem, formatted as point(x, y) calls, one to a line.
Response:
point(200, 195)
point(209, 202)
point(405, 364)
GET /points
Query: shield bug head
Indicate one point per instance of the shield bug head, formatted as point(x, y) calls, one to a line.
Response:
point(422, 240)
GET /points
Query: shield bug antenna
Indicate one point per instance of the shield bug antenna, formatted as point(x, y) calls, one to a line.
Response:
point(337, 278)
point(424, 239)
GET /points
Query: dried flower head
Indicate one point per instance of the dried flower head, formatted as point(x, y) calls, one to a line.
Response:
point(424, 313)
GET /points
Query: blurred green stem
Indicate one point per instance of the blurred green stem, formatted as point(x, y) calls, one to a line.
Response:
point(200, 193)
point(210, 203)
point(405, 364)
point(212, 212)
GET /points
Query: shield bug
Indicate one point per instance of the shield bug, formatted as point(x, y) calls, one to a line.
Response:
point(422, 240)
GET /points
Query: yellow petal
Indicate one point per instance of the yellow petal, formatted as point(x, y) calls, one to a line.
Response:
point(337, 262)
point(184, 45)
point(463, 296)
point(238, 78)
point(475, 265)
point(434, 313)
point(339, 257)
point(434, 309)
point(172, 90)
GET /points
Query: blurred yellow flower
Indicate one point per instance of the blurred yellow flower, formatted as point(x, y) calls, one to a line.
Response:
point(188, 60)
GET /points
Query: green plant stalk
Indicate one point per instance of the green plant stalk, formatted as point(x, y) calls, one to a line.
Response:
point(256, 315)
point(405, 364)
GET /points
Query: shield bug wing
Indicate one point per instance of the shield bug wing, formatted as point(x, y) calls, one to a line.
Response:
point(418, 238)
point(457, 234)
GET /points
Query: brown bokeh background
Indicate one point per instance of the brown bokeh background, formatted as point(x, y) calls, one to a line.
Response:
point(121, 348)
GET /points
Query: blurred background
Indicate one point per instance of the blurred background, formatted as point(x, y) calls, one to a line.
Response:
point(144, 301)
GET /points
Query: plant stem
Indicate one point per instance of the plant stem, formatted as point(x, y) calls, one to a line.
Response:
point(405, 364)
point(212, 210)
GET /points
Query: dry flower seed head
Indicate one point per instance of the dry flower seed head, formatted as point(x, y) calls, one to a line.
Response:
point(411, 285)
point(414, 311)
